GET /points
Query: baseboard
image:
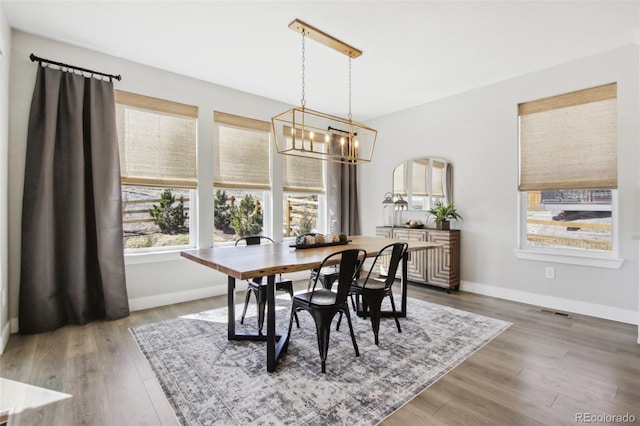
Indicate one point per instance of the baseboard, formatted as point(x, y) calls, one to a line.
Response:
point(556, 303)
point(154, 301)
point(141, 303)
point(4, 337)
point(164, 299)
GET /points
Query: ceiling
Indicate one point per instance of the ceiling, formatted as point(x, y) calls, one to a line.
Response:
point(414, 52)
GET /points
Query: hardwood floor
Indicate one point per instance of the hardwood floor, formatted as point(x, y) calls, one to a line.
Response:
point(545, 369)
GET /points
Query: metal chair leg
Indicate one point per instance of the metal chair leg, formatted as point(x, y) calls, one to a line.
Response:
point(261, 302)
point(374, 301)
point(353, 336)
point(395, 313)
point(246, 303)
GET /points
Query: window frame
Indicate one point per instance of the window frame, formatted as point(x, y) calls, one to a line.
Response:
point(585, 257)
point(570, 256)
point(221, 118)
point(162, 106)
point(322, 223)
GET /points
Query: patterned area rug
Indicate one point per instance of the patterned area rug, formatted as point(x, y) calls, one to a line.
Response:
point(211, 381)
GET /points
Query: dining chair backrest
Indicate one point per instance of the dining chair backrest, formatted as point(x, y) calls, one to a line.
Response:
point(253, 240)
point(350, 262)
point(397, 252)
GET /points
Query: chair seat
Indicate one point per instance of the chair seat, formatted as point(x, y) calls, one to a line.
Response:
point(372, 284)
point(327, 275)
point(321, 297)
point(256, 283)
point(259, 286)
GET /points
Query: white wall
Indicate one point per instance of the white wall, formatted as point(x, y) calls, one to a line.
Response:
point(148, 284)
point(5, 42)
point(478, 132)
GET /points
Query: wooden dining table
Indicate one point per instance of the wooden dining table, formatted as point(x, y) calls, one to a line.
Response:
point(269, 260)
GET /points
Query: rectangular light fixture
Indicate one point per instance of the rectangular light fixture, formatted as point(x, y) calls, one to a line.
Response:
point(307, 133)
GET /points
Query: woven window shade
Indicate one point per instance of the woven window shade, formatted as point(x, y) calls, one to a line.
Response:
point(301, 174)
point(570, 141)
point(437, 179)
point(157, 141)
point(241, 152)
point(399, 180)
point(419, 170)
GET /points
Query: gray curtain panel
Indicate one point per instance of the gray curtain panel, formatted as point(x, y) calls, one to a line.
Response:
point(72, 251)
point(342, 180)
point(448, 186)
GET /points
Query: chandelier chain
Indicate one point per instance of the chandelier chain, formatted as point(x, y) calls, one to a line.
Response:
point(302, 101)
point(349, 88)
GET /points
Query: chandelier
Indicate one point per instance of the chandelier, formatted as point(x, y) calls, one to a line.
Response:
point(307, 133)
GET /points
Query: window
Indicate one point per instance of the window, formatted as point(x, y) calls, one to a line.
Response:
point(570, 218)
point(241, 176)
point(157, 142)
point(303, 186)
point(568, 172)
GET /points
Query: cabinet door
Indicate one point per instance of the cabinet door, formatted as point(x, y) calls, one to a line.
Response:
point(384, 231)
point(417, 264)
point(444, 263)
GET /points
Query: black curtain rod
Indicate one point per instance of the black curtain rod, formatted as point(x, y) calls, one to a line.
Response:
point(60, 64)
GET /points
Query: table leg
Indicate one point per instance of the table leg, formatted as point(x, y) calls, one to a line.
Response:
point(231, 305)
point(275, 342)
point(405, 284)
point(271, 323)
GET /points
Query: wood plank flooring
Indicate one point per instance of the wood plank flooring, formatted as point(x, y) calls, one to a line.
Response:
point(544, 370)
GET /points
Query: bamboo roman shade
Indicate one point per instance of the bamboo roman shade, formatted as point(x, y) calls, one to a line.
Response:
point(400, 180)
point(240, 152)
point(570, 141)
point(301, 174)
point(419, 169)
point(157, 141)
point(437, 178)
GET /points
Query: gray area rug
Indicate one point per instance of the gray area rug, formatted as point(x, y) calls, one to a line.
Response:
point(209, 380)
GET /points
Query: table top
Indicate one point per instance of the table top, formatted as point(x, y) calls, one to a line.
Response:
point(244, 262)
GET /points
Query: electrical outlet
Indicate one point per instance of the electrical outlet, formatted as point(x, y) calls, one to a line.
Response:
point(550, 273)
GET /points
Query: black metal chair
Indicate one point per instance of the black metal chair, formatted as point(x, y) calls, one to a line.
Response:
point(258, 286)
point(323, 304)
point(373, 289)
point(327, 276)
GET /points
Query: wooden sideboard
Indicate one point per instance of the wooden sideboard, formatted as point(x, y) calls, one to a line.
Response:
point(439, 267)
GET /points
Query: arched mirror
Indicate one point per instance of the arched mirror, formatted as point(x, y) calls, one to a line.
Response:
point(423, 182)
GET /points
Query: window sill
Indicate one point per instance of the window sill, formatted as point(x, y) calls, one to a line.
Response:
point(153, 256)
point(602, 261)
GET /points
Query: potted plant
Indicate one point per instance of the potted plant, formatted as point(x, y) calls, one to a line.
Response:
point(442, 214)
